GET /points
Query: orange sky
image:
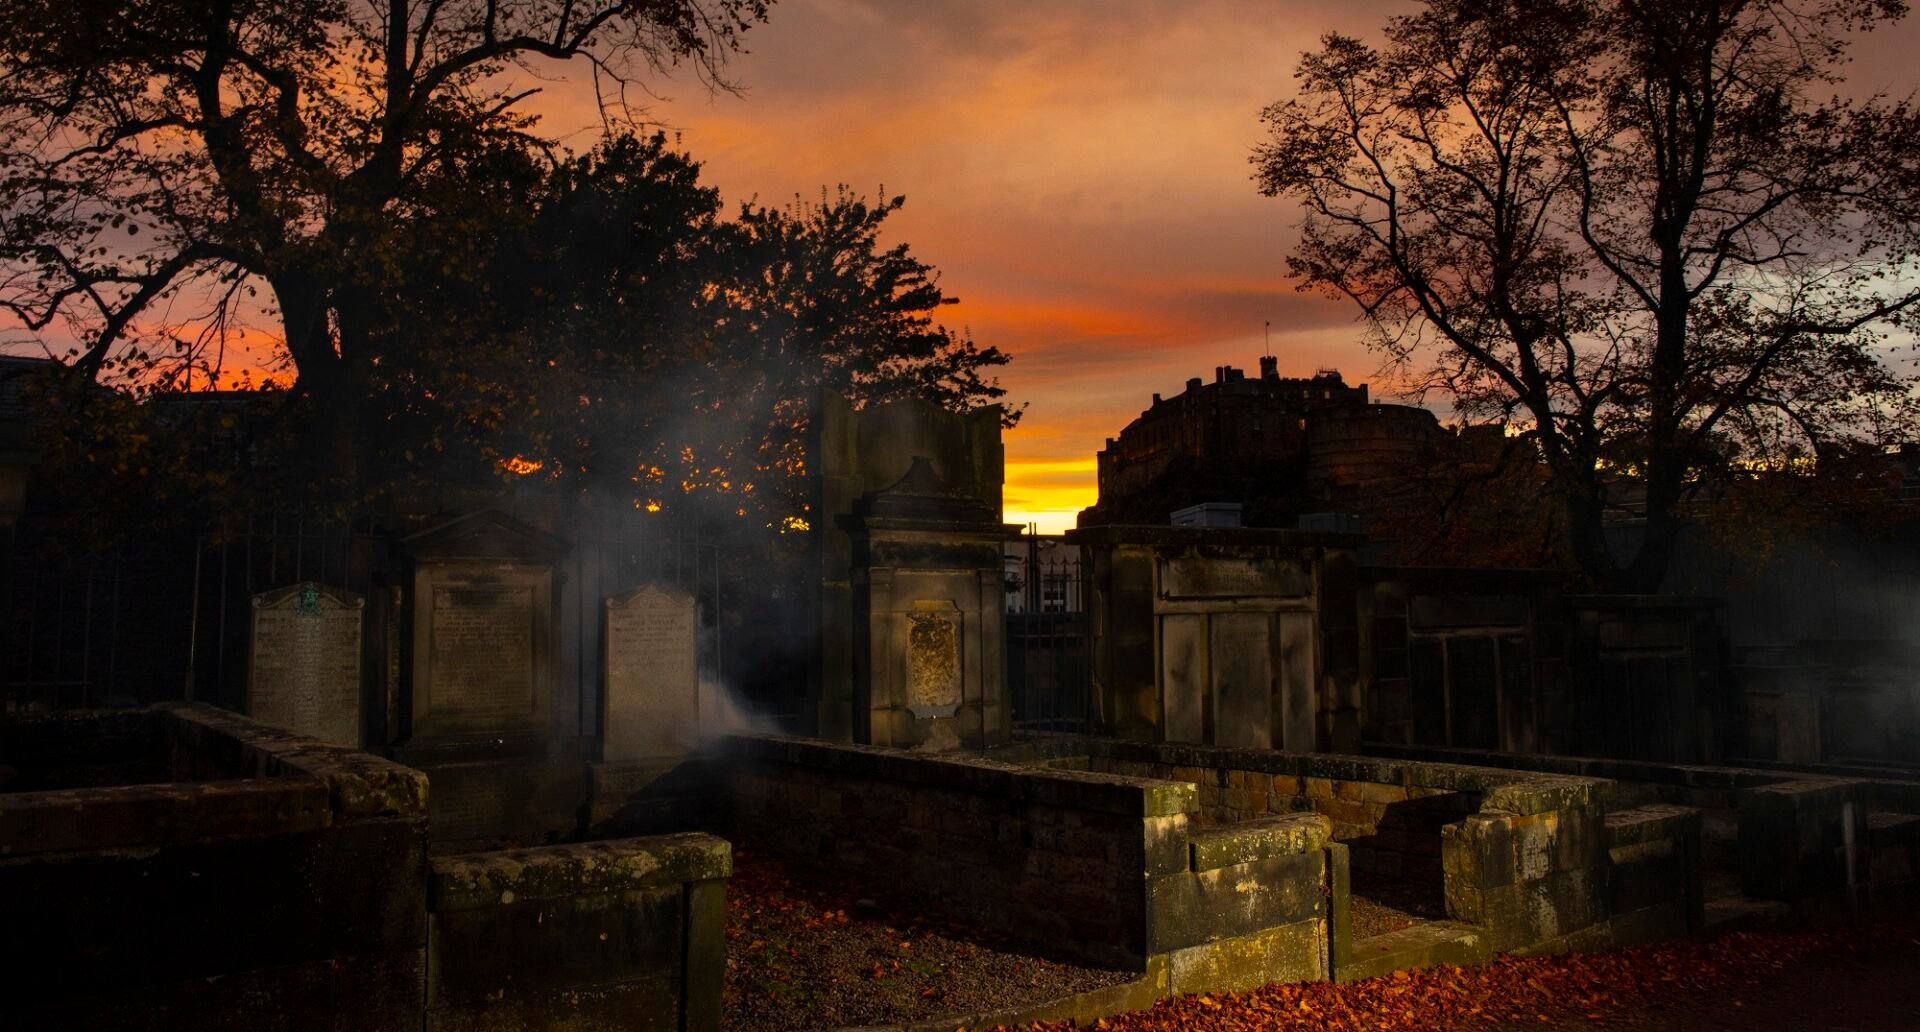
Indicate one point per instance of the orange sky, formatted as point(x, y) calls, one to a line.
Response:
point(1077, 169)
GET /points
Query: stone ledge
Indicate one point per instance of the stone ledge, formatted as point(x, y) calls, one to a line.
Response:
point(1421, 946)
point(1253, 840)
point(149, 815)
point(1798, 795)
point(1650, 823)
point(359, 783)
point(471, 881)
point(1527, 792)
point(1106, 793)
point(1893, 829)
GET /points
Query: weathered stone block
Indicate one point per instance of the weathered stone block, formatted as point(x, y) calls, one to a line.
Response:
point(1293, 952)
point(1231, 901)
point(1258, 840)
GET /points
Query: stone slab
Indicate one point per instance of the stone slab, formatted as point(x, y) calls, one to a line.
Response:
point(652, 674)
point(304, 661)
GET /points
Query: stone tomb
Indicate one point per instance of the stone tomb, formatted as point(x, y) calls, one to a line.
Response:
point(303, 671)
point(929, 632)
point(652, 674)
point(1223, 636)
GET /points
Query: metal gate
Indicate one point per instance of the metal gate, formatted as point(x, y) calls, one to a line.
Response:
point(1047, 628)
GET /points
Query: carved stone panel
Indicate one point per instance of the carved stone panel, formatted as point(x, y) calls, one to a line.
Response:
point(933, 659)
point(652, 674)
point(304, 663)
point(483, 651)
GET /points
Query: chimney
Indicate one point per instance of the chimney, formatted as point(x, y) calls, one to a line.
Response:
point(1156, 397)
point(1235, 374)
point(1269, 368)
point(1219, 374)
point(1193, 384)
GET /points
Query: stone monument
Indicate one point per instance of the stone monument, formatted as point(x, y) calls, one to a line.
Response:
point(652, 674)
point(483, 662)
point(929, 589)
point(303, 669)
point(1224, 635)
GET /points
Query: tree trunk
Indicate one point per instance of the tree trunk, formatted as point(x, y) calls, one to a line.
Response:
point(328, 405)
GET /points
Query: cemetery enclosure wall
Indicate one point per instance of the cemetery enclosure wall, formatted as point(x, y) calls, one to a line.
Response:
point(277, 882)
point(1785, 833)
point(1521, 856)
point(1108, 869)
point(628, 933)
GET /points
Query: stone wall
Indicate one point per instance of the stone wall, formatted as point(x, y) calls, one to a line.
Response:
point(1655, 884)
point(1824, 845)
point(1463, 657)
point(628, 934)
point(1109, 869)
point(286, 894)
point(1389, 815)
point(1521, 857)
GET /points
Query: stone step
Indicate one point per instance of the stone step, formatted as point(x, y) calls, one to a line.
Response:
point(1422, 945)
point(1892, 828)
point(1745, 914)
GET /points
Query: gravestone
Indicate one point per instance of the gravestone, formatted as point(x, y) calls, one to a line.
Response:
point(484, 639)
point(304, 662)
point(652, 675)
point(483, 628)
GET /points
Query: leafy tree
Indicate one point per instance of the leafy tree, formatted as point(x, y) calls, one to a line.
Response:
point(163, 151)
point(1628, 228)
point(613, 328)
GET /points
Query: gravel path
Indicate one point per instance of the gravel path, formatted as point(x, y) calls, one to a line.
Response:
point(810, 950)
point(1381, 904)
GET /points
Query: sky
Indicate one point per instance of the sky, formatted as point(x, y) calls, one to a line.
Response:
point(1078, 172)
point(1076, 169)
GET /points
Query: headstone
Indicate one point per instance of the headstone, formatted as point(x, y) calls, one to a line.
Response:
point(652, 675)
point(304, 670)
point(484, 627)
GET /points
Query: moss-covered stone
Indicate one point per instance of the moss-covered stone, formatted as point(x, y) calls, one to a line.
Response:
point(1253, 840)
point(1287, 953)
point(475, 880)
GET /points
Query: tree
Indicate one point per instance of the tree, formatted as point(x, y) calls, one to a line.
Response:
point(678, 352)
point(155, 151)
point(1626, 228)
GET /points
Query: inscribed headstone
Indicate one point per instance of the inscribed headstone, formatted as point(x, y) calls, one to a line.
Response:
point(653, 685)
point(482, 659)
point(304, 670)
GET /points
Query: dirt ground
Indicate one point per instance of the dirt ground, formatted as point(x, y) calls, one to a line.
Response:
point(808, 950)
